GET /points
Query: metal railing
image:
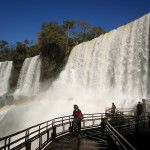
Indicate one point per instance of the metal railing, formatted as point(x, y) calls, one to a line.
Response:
point(120, 142)
point(38, 136)
point(118, 126)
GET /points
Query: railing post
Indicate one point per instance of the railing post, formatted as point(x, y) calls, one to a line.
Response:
point(40, 140)
point(28, 142)
point(47, 135)
point(122, 117)
point(92, 120)
point(149, 119)
point(63, 127)
point(54, 133)
point(47, 131)
point(71, 126)
point(5, 143)
point(83, 122)
point(103, 125)
point(9, 143)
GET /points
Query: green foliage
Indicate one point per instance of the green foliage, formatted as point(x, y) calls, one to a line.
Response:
point(51, 41)
point(69, 25)
point(17, 53)
point(86, 32)
point(14, 76)
point(54, 45)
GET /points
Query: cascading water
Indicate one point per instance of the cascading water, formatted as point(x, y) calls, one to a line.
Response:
point(111, 68)
point(5, 73)
point(117, 60)
point(29, 79)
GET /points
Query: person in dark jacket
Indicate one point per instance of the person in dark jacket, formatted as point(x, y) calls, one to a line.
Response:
point(139, 109)
point(113, 109)
point(76, 120)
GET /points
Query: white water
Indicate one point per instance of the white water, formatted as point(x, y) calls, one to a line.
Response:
point(117, 60)
point(114, 67)
point(29, 79)
point(5, 73)
point(111, 68)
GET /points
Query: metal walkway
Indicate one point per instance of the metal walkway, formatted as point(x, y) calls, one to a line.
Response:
point(56, 134)
point(90, 139)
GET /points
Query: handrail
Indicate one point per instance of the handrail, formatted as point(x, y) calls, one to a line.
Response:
point(38, 136)
point(46, 132)
point(123, 125)
point(118, 138)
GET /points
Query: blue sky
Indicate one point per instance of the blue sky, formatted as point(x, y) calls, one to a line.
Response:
point(22, 19)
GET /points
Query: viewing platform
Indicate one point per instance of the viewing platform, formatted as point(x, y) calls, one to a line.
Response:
point(90, 139)
point(99, 131)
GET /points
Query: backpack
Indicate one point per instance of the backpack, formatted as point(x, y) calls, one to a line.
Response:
point(81, 116)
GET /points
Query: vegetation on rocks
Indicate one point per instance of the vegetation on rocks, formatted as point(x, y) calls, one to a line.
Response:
point(54, 44)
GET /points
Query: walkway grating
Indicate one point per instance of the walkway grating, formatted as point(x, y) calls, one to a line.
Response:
point(90, 139)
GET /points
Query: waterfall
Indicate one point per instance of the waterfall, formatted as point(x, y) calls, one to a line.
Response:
point(29, 78)
point(5, 72)
point(115, 61)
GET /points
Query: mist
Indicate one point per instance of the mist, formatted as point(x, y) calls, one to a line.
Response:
point(111, 68)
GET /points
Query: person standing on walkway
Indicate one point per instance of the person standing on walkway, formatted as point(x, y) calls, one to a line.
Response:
point(113, 109)
point(139, 109)
point(77, 119)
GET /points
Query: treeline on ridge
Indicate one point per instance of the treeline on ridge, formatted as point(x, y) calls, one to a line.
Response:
point(54, 45)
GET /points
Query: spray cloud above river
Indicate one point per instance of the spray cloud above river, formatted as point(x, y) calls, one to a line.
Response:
point(111, 68)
